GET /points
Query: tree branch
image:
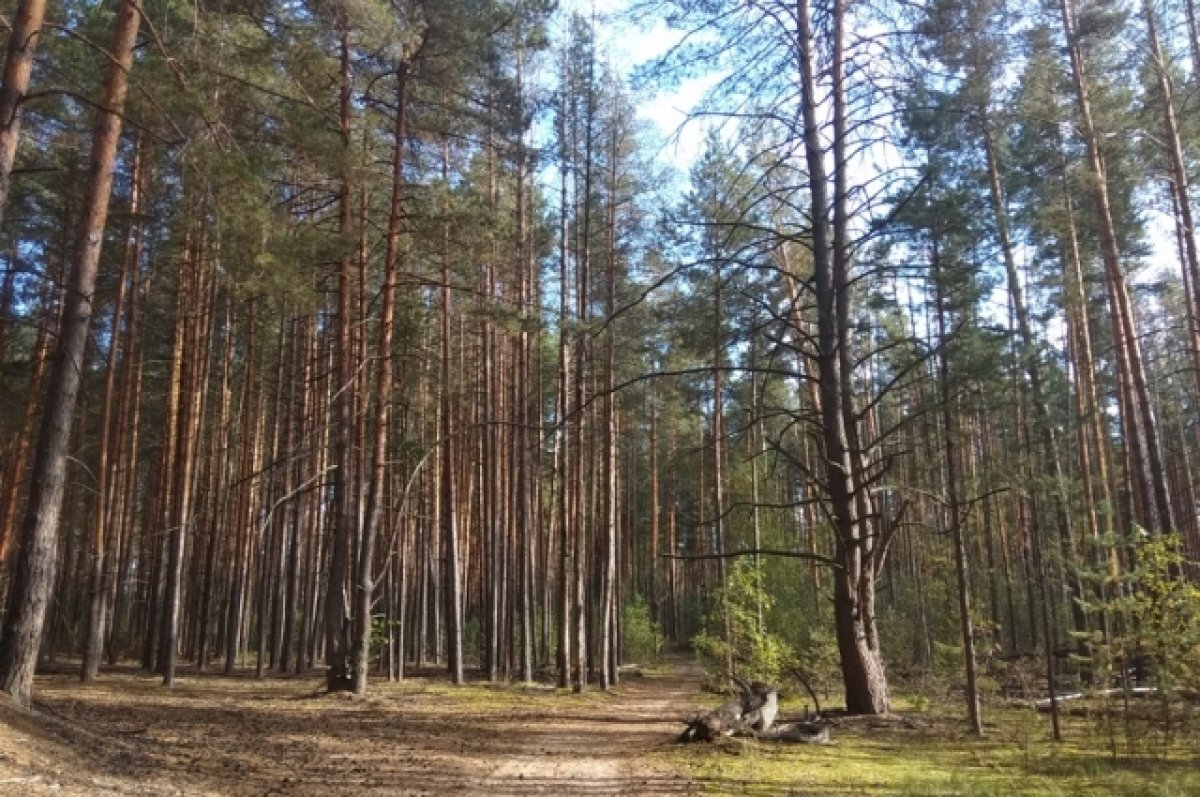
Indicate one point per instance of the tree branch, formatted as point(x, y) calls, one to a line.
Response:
point(808, 555)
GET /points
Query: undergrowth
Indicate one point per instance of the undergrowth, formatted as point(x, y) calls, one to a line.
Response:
point(933, 754)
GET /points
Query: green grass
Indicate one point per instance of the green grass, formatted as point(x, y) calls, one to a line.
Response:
point(934, 755)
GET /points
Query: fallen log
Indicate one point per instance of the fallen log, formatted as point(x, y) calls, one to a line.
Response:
point(720, 722)
point(750, 713)
point(799, 733)
point(760, 704)
point(1134, 691)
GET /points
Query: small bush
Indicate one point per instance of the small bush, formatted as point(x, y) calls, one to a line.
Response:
point(641, 637)
point(1157, 641)
point(756, 653)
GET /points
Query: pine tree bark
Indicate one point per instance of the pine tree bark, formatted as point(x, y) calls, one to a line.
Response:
point(1193, 35)
point(608, 598)
point(954, 507)
point(18, 458)
point(718, 456)
point(191, 322)
point(8, 290)
point(448, 494)
point(18, 66)
point(564, 447)
point(337, 645)
point(365, 582)
point(33, 573)
point(102, 516)
point(1156, 513)
point(1180, 193)
point(249, 440)
point(854, 582)
point(581, 362)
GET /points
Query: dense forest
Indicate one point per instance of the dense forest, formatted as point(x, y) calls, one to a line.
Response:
point(371, 336)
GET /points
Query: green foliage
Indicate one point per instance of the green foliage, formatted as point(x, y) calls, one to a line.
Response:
point(931, 757)
point(817, 664)
point(755, 652)
point(1164, 613)
point(380, 633)
point(1157, 616)
point(641, 637)
point(473, 641)
point(1155, 637)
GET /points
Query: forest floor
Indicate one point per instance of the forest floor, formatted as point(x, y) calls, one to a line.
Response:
point(126, 735)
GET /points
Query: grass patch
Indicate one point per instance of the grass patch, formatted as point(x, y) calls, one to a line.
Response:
point(933, 754)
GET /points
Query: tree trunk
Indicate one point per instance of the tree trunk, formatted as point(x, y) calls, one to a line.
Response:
point(18, 459)
point(564, 441)
point(247, 498)
point(18, 65)
point(33, 574)
point(1181, 194)
point(337, 646)
point(952, 499)
point(1032, 368)
point(854, 583)
point(448, 498)
point(102, 516)
point(608, 599)
point(193, 311)
point(365, 585)
point(718, 455)
point(1156, 514)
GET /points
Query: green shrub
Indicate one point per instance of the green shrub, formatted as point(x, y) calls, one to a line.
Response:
point(641, 637)
point(755, 653)
point(1157, 623)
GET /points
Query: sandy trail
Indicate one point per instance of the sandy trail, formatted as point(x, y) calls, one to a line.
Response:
point(125, 735)
point(609, 753)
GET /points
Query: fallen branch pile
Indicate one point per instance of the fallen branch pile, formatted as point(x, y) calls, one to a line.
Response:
point(752, 713)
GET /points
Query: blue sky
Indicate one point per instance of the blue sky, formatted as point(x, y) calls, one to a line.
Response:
point(626, 45)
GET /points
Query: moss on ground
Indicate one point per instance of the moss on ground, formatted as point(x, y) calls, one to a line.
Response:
point(930, 753)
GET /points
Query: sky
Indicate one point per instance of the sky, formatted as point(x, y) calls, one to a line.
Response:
point(627, 45)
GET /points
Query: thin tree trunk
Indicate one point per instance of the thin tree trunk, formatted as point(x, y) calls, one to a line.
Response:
point(14, 472)
point(1146, 464)
point(654, 600)
point(1175, 156)
point(125, 513)
point(718, 473)
point(365, 583)
point(337, 646)
point(950, 448)
point(564, 447)
point(1032, 368)
point(608, 600)
point(102, 516)
point(218, 485)
point(193, 311)
point(243, 516)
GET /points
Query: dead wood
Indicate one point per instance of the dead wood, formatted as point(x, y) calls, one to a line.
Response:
point(803, 680)
point(750, 713)
point(799, 733)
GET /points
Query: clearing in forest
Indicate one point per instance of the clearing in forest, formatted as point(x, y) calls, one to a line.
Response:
point(126, 735)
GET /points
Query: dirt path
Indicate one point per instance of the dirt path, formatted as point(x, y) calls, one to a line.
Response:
point(609, 753)
point(125, 735)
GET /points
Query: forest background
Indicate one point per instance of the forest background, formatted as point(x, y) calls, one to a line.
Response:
point(376, 335)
